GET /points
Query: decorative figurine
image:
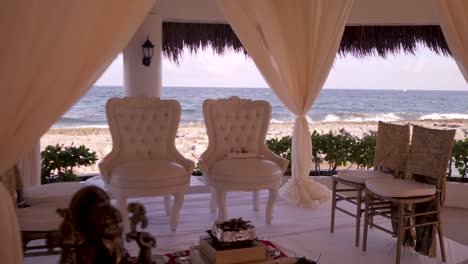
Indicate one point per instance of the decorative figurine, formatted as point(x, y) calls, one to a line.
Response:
point(138, 212)
point(144, 239)
point(91, 231)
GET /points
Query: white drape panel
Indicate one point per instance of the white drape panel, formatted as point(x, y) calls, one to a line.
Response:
point(52, 51)
point(453, 15)
point(293, 44)
point(10, 238)
point(30, 166)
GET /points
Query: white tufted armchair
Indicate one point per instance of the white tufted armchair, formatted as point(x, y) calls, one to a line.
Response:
point(144, 160)
point(237, 158)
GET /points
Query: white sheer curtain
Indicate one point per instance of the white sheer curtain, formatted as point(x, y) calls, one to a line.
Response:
point(30, 166)
point(293, 44)
point(52, 51)
point(10, 239)
point(453, 15)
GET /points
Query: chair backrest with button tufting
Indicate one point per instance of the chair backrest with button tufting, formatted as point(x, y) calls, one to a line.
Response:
point(236, 125)
point(143, 128)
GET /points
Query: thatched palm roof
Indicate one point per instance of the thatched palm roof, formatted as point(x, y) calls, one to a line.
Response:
point(359, 41)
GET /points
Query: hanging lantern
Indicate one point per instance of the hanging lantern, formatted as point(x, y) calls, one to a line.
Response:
point(147, 49)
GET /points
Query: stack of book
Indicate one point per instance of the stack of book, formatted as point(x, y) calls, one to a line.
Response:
point(208, 253)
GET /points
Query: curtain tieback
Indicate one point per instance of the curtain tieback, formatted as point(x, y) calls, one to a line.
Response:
point(301, 118)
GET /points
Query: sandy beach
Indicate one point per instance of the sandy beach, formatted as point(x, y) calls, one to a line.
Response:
point(192, 139)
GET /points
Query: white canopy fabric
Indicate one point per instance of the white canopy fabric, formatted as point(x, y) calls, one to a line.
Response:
point(293, 44)
point(10, 239)
point(454, 22)
point(52, 52)
point(30, 166)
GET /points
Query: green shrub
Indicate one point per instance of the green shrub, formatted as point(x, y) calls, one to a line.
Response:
point(282, 148)
point(460, 156)
point(334, 149)
point(363, 152)
point(337, 150)
point(317, 150)
point(196, 170)
point(58, 162)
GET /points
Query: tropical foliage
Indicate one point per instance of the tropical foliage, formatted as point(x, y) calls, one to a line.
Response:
point(59, 161)
point(343, 149)
point(460, 156)
point(282, 148)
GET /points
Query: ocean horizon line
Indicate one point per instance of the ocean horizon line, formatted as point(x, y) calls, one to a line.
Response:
point(291, 122)
point(332, 105)
point(325, 88)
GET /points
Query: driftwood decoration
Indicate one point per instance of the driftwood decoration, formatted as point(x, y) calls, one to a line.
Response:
point(358, 41)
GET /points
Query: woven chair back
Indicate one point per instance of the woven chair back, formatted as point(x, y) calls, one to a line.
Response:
point(430, 152)
point(392, 147)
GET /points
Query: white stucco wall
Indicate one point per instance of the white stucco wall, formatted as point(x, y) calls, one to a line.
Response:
point(140, 80)
point(457, 195)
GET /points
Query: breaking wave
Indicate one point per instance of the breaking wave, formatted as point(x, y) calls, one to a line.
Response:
point(437, 116)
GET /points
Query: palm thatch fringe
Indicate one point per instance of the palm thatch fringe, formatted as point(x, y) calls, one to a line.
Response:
point(359, 41)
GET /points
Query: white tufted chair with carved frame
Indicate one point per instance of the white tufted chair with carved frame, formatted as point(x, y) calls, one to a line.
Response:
point(144, 160)
point(237, 158)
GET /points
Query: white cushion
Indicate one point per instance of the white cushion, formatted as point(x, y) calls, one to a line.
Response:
point(148, 174)
point(51, 192)
point(245, 171)
point(399, 188)
point(361, 176)
point(42, 217)
point(96, 181)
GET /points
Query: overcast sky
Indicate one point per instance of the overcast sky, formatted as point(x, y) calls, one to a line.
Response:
point(423, 71)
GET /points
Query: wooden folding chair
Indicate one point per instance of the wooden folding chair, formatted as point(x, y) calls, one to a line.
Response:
point(390, 159)
point(427, 168)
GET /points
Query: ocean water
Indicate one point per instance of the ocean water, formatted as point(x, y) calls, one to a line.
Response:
point(332, 104)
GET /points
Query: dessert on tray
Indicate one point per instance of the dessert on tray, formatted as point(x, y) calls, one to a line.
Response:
point(231, 242)
point(235, 230)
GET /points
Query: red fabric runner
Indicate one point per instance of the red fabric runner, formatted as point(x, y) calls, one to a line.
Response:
point(265, 242)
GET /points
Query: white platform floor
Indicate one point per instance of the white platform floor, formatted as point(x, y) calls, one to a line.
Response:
point(298, 231)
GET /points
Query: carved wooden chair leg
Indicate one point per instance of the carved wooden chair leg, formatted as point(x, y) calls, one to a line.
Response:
point(122, 205)
point(178, 201)
point(256, 200)
point(273, 193)
point(213, 202)
point(222, 208)
point(167, 204)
